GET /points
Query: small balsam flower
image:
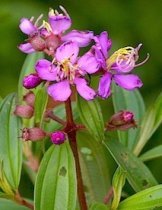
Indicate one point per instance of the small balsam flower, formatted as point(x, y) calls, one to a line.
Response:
point(31, 81)
point(24, 111)
point(122, 120)
point(58, 137)
point(33, 134)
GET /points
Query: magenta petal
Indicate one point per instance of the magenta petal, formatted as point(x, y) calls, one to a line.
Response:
point(104, 85)
point(83, 89)
point(88, 63)
point(27, 26)
point(68, 50)
point(59, 23)
point(82, 38)
point(46, 70)
point(103, 42)
point(128, 82)
point(60, 91)
point(26, 48)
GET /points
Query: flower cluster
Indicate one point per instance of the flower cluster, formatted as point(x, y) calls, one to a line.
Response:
point(67, 68)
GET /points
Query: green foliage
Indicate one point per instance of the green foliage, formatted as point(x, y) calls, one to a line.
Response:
point(152, 153)
point(10, 145)
point(95, 167)
point(145, 200)
point(132, 101)
point(138, 175)
point(56, 181)
point(91, 116)
point(10, 205)
point(98, 206)
point(151, 121)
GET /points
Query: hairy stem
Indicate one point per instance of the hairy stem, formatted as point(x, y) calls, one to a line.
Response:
point(71, 131)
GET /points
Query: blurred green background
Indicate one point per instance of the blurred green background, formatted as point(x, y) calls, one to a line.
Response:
point(128, 22)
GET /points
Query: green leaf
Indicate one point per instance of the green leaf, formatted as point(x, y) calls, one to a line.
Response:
point(41, 100)
point(145, 200)
point(91, 116)
point(150, 122)
point(10, 205)
point(28, 68)
point(98, 206)
point(138, 175)
point(56, 186)
point(95, 167)
point(10, 144)
point(131, 101)
point(117, 184)
point(152, 153)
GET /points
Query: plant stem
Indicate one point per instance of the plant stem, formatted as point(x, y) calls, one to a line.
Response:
point(71, 132)
point(22, 201)
point(55, 118)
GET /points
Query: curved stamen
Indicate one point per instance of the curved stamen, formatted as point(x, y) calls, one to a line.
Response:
point(144, 61)
point(64, 11)
point(38, 19)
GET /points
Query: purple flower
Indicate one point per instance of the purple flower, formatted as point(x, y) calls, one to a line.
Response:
point(119, 65)
point(50, 35)
point(64, 71)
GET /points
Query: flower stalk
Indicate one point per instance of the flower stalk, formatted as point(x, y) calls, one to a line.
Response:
point(71, 132)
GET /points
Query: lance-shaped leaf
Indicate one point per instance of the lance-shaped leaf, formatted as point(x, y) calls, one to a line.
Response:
point(8, 205)
point(150, 122)
point(138, 175)
point(132, 101)
point(41, 100)
point(145, 200)
point(10, 144)
point(152, 153)
point(91, 116)
point(56, 181)
point(95, 167)
point(28, 68)
point(117, 185)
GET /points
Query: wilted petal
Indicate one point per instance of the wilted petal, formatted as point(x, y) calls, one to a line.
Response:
point(104, 85)
point(89, 63)
point(82, 38)
point(128, 82)
point(83, 89)
point(103, 42)
point(68, 50)
point(59, 23)
point(26, 48)
point(27, 26)
point(46, 70)
point(60, 91)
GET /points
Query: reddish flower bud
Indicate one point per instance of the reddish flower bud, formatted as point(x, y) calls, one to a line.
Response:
point(31, 81)
point(33, 134)
point(29, 98)
point(37, 42)
point(24, 111)
point(58, 137)
point(122, 120)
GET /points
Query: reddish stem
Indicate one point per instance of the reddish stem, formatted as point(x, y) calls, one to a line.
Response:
point(22, 201)
point(71, 132)
point(55, 118)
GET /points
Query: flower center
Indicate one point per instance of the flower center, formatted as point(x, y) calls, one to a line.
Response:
point(126, 56)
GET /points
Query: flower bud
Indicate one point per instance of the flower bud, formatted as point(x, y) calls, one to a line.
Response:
point(33, 134)
point(24, 111)
point(29, 98)
point(58, 137)
point(37, 42)
point(122, 120)
point(31, 81)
